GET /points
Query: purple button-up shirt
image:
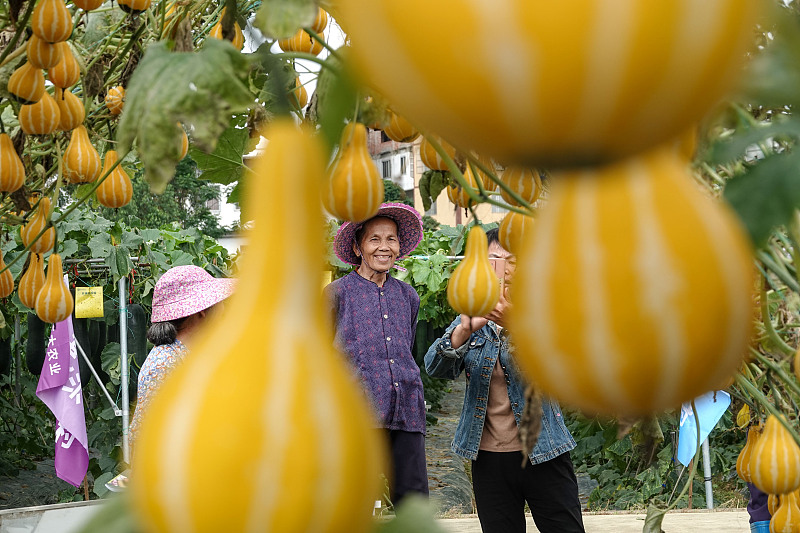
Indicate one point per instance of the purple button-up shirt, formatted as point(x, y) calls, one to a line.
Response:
point(375, 326)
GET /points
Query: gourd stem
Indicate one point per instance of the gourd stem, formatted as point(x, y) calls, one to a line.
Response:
point(794, 238)
point(780, 372)
point(784, 276)
point(310, 57)
point(764, 401)
point(693, 467)
point(471, 208)
point(770, 329)
point(21, 23)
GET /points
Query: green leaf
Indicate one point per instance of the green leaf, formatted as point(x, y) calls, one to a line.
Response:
point(109, 360)
point(150, 235)
point(119, 262)
point(278, 19)
point(439, 181)
point(336, 94)
point(68, 247)
point(729, 149)
point(225, 164)
point(100, 245)
point(774, 75)
point(200, 89)
point(653, 520)
point(425, 190)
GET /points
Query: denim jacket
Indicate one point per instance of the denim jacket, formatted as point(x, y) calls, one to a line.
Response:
point(477, 358)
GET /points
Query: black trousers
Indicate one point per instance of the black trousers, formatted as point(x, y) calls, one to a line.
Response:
point(409, 466)
point(502, 487)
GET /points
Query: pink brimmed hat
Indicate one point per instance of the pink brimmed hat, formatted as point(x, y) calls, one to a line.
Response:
point(185, 290)
point(409, 232)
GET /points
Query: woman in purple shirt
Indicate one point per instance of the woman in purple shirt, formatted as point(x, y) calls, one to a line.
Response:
point(375, 319)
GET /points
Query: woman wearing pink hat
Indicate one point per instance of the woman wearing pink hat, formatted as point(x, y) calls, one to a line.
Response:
point(375, 319)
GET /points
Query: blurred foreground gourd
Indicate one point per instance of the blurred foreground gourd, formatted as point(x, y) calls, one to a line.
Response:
point(474, 289)
point(786, 518)
point(775, 460)
point(399, 129)
point(54, 302)
point(31, 281)
point(526, 182)
point(30, 231)
point(633, 292)
point(299, 453)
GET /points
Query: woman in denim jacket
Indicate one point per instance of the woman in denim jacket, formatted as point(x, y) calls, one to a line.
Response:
point(487, 432)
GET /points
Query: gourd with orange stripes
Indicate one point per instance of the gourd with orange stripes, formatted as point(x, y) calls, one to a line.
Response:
point(115, 99)
point(474, 289)
point(134, 6)
point(526, 182)
point(399, 129)
point(321, 22)
point(88, 5)
point(599, 80)
point(743, 460)
point(6, 280)
point(513, 231)
point(431, 158)
point(353, 188)
point(297, 383)
point(67, 72)
point(457, 194)
point(42, 54)
point(40, 118)
point(625, 260)
point(71, 109)
point(786, 518)
point(216, 32)
point(184, 142)
point(301, 42)
point(54, 302)
point(26, 84)
point(12, 171)
point(298, 96)
point(31, 281)
point(51, 21)
point(775, 460)
point(30, 231)
point(116, 190)
point(82, 163)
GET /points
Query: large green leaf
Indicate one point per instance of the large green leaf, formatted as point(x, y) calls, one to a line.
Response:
point(282, 18)
point(225, 164)
point(200, 89)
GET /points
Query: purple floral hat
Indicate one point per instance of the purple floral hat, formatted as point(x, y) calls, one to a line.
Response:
point(185, 290)
point(409, 232)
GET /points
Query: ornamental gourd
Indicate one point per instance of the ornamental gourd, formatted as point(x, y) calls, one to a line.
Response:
point(88, 5)
point(41, 118)
point(238, 35)
point(399, 129)
point(598, 80)
point(526, 182)
point(115, 99)
point(632, 294)
point(116, 189)
point(773, 502)
point(12, 171)
point(513, 231)
point(775, 460)
point(301, 42)
point(353, 189)
point(488, 183)
point(134, 6)
point(39, 221)
point(51, 21)
point(42, 54)
point(6, 280)
point(298, 96)
point(67, 72)
point(32, 281)
point(54, 302)
point(81, 161)
point(474, 288)
point(743, 460)
point(299, 387)
point(457, 194)
point(72, 112)
point(321, 22)
point(431, 158)
point(786, 518)
point(184, 142)
point(26, 84)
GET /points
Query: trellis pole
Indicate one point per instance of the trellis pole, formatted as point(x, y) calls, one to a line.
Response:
point(123, 360)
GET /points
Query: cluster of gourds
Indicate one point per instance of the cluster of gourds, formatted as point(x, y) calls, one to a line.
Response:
point(302, 41)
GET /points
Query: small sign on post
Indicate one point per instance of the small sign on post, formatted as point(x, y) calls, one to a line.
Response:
point(88, 302)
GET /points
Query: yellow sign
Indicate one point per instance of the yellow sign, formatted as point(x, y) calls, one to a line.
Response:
point(88, 302)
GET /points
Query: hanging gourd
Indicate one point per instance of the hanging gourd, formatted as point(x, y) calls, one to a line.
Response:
point(301, 42)
point(134, 6)
point(41, 54)
point(39, 221)
point(304, 390)
point(743, 460)
point(67, 72)
point(474, 288)
point(354, 189)
point(26, 84)
point(513, 231)
point(115, 99)
point(82, 163)
point(595, 82)
point(6, 280)
point(775, 460)
point(41, 118)
point(625, 260)
point(526, 182)
point(174, 15)
point(72, 112)
point(773, 502)
point(488, 183)
point(431, 158)
point(54, 302)
point(88, 5)
point(31, 281)
point(116, 190)
point(12, 171)
point(321, 22)
point(399, 129)
point(298, 96)
point(238, 36)
point(457, 194)
point(51, 21)
point(787, 517)
point(184, 142)
point(796, 364)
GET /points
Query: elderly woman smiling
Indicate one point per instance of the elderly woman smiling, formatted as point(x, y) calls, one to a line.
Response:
point(375, 319)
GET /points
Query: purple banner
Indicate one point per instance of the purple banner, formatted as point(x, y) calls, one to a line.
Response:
point(60, 389)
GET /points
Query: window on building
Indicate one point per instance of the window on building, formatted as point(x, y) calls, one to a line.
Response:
point(403, 168)
point(212, 204)
point(387, 169)
point(385, 138)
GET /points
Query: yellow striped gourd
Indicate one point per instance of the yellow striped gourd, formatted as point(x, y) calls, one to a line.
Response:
point(301, 42)
point(238, 36)
point(184, 142)
point(457, 194)
point(488, 183)
point(40, 118)
point(514, 229)
point(67, 72)
point(431, 158)
point(32, 281)
point(39, 221)
point(743, 460)
point(786, 518)
point(115, 99)
point(354, 189)
point(300, 391)
point(543, 83)
point(775, 460)
point(12, 171)
point(82, 163)
point(632, 294)
point(6, 280)
point(51, 21)
point(474, 289)
point(54, 302)
point(321, 22)
point(526, 182)
point(88, 5)
point(773, 502)
point(26, 84)
point(298, 96)
point(399, 129)
point(134, 6)
point(42, 54)
point(174, 15)
point(72, 112)
point(116, 190)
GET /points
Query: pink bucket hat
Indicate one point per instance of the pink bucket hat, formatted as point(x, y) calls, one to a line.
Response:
point(185, 290)
point(409, 232)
